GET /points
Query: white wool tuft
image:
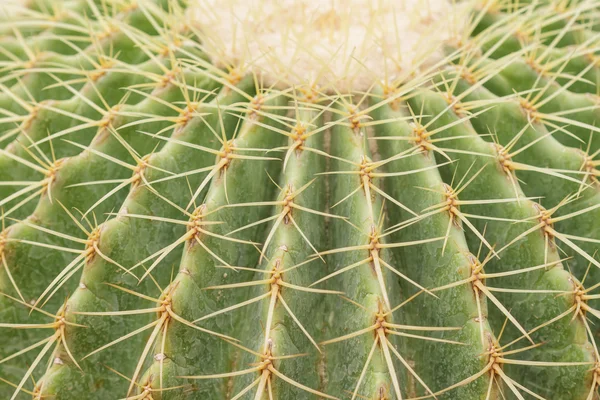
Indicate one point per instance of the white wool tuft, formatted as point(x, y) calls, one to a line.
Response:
point(9, 8)
point(346, 44)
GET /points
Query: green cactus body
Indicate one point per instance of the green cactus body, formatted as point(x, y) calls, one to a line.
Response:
point(205, 201)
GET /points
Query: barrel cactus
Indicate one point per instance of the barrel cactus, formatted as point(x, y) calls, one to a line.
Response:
point(299, 199)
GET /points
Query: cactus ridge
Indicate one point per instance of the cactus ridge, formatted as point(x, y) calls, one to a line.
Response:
point(173, 227)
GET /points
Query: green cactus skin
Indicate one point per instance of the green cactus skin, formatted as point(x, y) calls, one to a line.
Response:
point(173, 229)
point(460, 305)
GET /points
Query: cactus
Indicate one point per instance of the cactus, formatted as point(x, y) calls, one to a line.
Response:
point(201, 200)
